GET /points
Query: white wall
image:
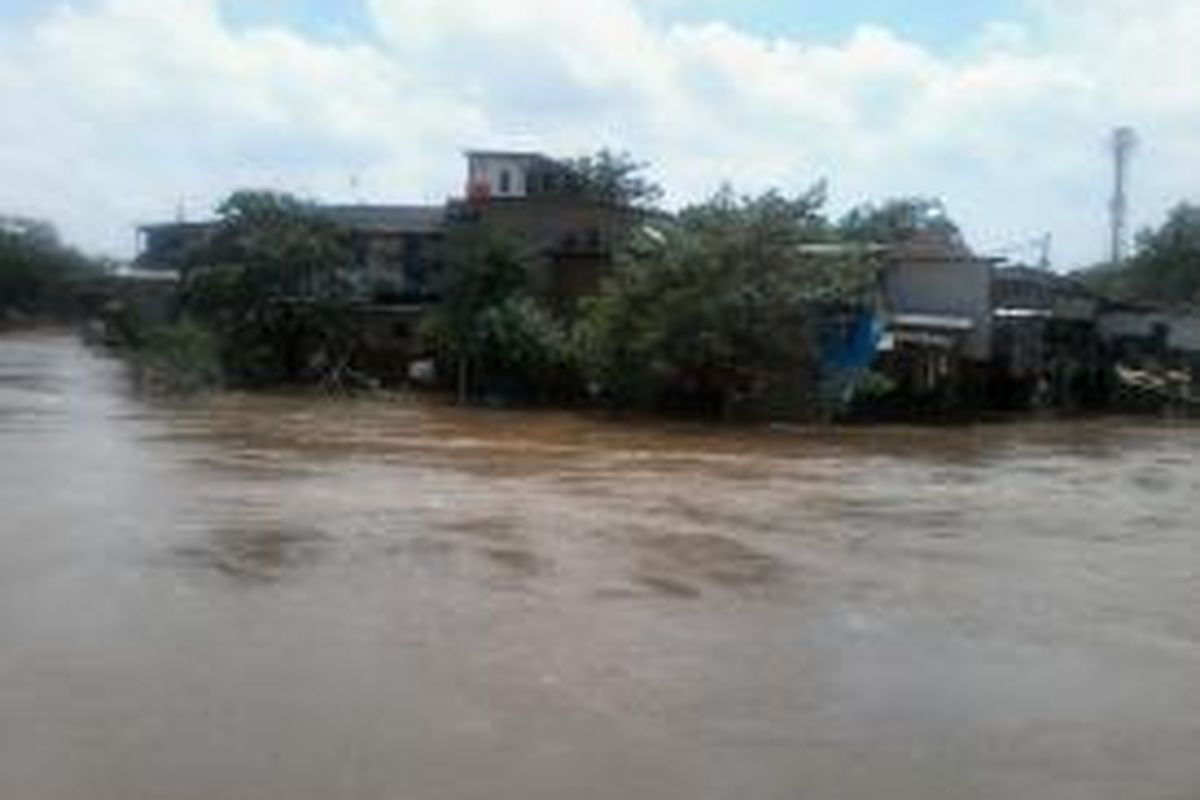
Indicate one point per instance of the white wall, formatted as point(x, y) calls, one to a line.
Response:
point(945, 288)
point(489, 169)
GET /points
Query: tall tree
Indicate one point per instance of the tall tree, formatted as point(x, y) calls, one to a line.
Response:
point(611, 177)
point(895, 220)
point(717, 311)
point(1165, 267)
point(272, 282)
point(491, 327)
point(36, 269)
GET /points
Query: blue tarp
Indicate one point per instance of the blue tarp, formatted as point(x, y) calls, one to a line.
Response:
point(848, 349)
point(851, 347)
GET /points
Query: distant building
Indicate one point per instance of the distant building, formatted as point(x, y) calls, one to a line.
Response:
point(935, 302)
point(937, 294)
point(498, 174)
point(394, 246)
point(1143, 336)
point(163, 246)
point(1048, 350)
point(571, 233)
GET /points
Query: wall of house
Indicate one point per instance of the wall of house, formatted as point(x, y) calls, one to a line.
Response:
point(1129, 324)
point(944, 288)
point(1185, 333)
point(397, 264)
point(576, 237)
point(489, 171)
point(160, 247)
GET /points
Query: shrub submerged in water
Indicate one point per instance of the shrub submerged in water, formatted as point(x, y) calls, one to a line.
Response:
point(183, 358)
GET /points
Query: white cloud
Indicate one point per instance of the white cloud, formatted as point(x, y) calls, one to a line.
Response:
point(110, 115)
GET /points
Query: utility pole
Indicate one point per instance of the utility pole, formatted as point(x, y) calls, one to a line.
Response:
point(1123, 141)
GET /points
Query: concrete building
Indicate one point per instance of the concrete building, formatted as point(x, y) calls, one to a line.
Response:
point(935, 304)
point(570, 234)
point(394, 247)
point(937, 294)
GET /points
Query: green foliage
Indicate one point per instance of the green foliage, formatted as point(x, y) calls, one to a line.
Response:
point(895, 220)
point(717, 313)
point(490, 325)
point(1106, 280)
point(1167, 265)
point(273, 285)
point(1165, 268)
point(612, 178)
point(179, 359)
point(36, 270)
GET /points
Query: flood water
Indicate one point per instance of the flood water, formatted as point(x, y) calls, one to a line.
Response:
point(304, 599)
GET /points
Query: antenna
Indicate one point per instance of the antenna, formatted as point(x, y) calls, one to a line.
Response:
point(1124, 140)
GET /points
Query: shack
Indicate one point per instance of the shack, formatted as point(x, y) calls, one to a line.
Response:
point(1155, 353)
point(935, 301)
point(1048, 351)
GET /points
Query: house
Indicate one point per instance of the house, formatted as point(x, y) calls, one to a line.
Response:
point(1048, 348)
point(394, 246)
point(162, 246)
point(571, 234)
point(1155, 345)
point(508, 175)
point(935, 303)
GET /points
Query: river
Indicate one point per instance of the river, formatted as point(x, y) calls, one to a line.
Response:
point(298, 598)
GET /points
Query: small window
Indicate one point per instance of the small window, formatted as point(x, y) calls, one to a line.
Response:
point(505, 181)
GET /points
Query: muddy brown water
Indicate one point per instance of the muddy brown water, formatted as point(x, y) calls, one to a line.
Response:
point(284, 597)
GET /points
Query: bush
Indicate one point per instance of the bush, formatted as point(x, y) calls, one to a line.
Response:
point(37, 273)
point(179, 359)
point(718, 313)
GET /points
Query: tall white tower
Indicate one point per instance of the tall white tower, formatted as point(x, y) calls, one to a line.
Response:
point(1123, 142)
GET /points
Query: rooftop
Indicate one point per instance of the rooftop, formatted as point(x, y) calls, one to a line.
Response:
point(384, 218)
point(528, 155)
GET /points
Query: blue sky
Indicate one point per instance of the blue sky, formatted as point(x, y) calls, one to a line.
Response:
point(121, 111)
point(937, 24)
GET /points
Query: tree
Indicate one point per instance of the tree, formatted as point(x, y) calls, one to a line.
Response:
point(717, 312)
point(1166, 266)
point(273, 284)
point(490, 327)
point(612, 178)
point(1164, 269)
point(896, 220)
point(36, 270)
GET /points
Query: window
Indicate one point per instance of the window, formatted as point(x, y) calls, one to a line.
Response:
point(505, 181)
point(414, 266)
